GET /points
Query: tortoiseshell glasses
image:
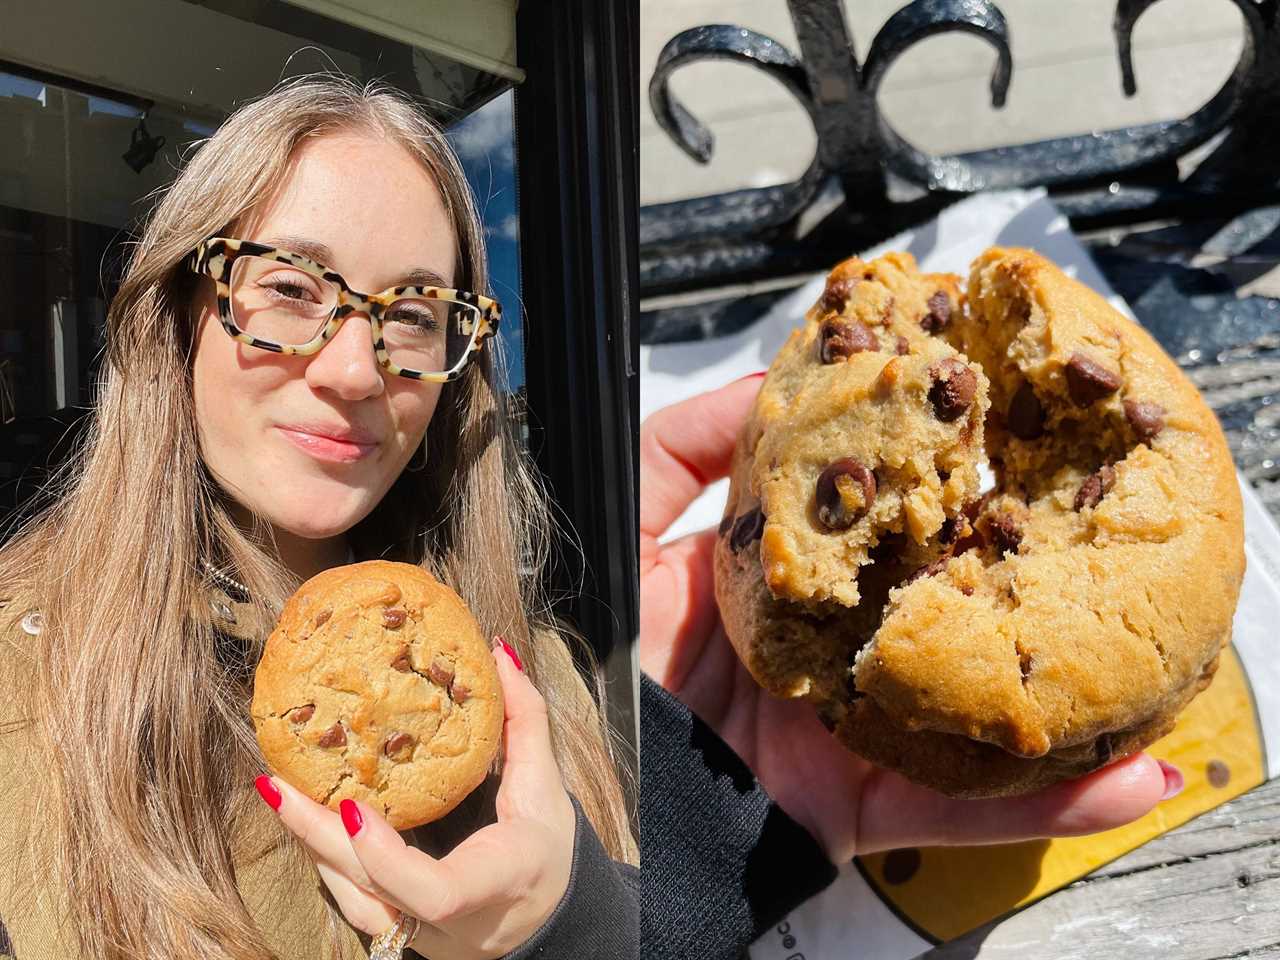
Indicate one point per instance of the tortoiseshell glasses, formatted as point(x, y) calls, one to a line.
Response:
point(289, 304)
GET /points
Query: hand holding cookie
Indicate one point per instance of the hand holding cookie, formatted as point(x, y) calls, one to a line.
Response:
point(494, 890)
point(846, 803)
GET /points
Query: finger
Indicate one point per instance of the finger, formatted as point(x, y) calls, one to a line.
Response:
point(531, 784)
point(363, 911)
point(321, 833)
point(686, 446)
point(897, 813)
point(317, 827)
point(490, 864)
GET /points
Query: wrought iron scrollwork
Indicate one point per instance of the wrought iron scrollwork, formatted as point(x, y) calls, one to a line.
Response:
point(717, 42)
point(749, 234)
point(758, 210)
point(910, 25)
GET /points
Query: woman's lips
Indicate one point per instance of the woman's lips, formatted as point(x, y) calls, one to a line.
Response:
point(326, 448)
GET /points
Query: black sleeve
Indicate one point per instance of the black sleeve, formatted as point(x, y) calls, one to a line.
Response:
point(599, 914)
point(722, 863)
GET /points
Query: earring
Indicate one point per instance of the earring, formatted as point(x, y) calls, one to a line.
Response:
point(423, 465)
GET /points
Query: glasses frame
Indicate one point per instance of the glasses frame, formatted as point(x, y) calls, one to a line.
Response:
point(214, 257)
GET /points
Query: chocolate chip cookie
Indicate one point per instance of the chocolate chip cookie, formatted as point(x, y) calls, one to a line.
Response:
point(377, 685)
point(983, 643)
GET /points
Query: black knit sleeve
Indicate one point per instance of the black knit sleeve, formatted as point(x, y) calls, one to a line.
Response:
point(721, 861)
point(599, 914)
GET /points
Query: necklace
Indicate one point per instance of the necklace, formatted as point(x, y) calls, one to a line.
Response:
point(225, 580)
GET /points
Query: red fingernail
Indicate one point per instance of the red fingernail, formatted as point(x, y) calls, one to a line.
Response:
point(351, 818)
point(511, 652)
point(268, 791)
point(750, 376)
point(1173, 781)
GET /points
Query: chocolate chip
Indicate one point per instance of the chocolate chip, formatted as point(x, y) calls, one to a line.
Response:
point(1088, 381)
point(1026, 416)
point(1147, 419)
point(1219, 773)
point(838, 490)
point(396, 743)
point(302, 714)
point(441, 672)
point(749, 527)
point(393, 619)
point(928, 570)
point(841, 339)
point(323, 617)
point(459, 692)
point(954, 386)
point(973, 509)
point(901, 865)
point(939, 314)
point(402, 661)
point(335, 736)
point(1097, 485)
point(725, 524)
point(968, 541)
point(967, 590)
point(1005, 533)
point(837, 293)
point(902, 347)
point(1103, 749)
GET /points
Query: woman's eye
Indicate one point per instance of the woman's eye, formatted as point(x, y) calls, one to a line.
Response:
point(424, 319)
point(290, 290)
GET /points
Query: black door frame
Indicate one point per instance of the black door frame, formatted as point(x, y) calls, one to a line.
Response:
point(577, 158)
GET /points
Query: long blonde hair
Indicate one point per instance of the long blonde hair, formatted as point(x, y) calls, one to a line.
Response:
point(145, 822)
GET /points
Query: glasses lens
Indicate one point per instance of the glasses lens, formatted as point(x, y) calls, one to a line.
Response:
point(430, 336)
point(279, 302)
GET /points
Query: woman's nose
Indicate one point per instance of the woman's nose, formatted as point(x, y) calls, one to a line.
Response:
point(347, 364)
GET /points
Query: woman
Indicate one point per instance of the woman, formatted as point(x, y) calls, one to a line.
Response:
point(223, 468)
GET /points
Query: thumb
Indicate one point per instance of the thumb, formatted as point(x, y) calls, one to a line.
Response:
point(685, 447)
point(530, 777)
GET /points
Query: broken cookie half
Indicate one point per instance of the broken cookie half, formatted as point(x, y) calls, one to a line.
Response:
point(980, 642)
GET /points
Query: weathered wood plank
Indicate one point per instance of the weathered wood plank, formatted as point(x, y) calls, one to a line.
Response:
point(1207, 891)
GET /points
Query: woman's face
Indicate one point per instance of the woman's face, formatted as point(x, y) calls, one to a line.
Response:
point(259, 413)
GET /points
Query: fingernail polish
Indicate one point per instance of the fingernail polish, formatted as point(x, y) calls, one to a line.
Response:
point(351, 818)
point(511, 652)
point(1173, 781)
point(268, 791)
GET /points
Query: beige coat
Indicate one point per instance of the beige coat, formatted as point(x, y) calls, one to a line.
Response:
point(276, 880)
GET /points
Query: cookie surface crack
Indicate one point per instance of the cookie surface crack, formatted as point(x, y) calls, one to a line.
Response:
point(341, 780)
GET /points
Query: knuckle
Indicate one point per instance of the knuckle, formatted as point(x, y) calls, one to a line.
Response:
point(305, 828)
point(367, 918)
point(366, 872)
point(446, 907)
point(537, 703)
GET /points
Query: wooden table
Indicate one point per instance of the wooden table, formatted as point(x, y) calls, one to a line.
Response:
point(1210, 889)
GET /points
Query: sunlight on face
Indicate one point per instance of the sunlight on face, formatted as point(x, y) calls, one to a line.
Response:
point(261, 416)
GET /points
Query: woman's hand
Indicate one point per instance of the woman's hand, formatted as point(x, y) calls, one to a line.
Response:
point(494, 890)
point(848, 805)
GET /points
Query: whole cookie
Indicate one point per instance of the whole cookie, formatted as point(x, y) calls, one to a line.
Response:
point(984, 644)
point(377, 685)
